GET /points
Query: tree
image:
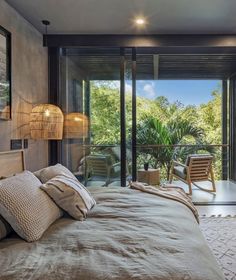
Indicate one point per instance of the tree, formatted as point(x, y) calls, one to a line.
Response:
point(105, 113)
point(204, 118)
point(210, 118)
point(152, 131)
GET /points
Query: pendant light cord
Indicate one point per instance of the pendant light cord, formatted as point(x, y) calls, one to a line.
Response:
point(46, 23)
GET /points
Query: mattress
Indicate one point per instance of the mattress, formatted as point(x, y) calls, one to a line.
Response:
point(128, 235)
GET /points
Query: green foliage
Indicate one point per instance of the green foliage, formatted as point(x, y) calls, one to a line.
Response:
point(158, 122)
point(151, 131)
point(105, 110)
point(210, 118)
point(4, 94)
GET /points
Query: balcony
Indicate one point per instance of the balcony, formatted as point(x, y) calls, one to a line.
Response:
point(100, 166)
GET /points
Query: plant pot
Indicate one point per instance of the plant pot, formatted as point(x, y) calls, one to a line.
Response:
point(145, 166)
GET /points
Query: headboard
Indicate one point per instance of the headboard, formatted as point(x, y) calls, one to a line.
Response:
point(11, 162)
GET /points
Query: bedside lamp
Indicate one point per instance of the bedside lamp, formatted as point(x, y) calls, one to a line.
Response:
point(75, 126)
point(46, 122)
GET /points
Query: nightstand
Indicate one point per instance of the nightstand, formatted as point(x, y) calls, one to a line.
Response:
point(151, 176)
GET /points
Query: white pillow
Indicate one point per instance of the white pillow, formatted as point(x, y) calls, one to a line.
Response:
point(26, 207)
point(70, 195)
point(50, 172)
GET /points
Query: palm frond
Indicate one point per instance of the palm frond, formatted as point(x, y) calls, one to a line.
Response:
point(182, 128)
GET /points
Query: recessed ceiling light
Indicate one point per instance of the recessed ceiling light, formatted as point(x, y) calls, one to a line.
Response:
point(140, 21)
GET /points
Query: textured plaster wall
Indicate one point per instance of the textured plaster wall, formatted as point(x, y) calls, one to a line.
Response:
point(29, 84)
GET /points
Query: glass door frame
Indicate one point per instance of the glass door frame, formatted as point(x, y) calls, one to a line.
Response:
point(54, 98)
point(55, 146)
point(123, 115)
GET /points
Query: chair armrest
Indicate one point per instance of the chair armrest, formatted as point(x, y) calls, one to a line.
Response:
point(116, 164)
point(176, 163)
point(116, 167)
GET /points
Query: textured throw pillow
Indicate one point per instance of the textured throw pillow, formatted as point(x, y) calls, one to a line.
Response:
point(5, 228)
point(50, 172)
point(26, 207)
point(70, 195)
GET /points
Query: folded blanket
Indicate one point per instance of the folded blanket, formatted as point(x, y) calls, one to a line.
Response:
point(170, 192)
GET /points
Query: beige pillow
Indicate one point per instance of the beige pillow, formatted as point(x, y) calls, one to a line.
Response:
point(26, 207)
point(70, 195)
point(5, 228)
point(50, 172)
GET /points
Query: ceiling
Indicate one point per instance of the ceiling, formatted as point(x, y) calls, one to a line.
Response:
point(104, 64)
point(117, 16)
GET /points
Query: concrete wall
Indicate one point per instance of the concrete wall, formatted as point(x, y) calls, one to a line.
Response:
point(29, 84)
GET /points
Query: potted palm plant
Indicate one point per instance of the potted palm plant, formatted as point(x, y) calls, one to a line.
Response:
point(165, 137)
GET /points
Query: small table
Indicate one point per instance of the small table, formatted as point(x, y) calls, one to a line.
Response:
point(151, 176)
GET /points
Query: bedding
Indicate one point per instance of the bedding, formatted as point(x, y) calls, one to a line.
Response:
point(70, 195)
point(170, 192)
point(27, 208)
point(5, 228)
point(50, 172)
point(128, 235)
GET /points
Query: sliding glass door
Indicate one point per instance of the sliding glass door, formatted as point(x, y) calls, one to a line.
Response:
point(181, 110)
point(94, 86)
point(126, 107)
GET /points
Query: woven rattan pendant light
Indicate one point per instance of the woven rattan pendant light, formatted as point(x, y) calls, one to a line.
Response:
point(46, 122)
point(75, 126)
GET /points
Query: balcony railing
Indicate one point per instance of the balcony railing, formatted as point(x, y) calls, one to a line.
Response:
point(155, 155)
point(161, 155)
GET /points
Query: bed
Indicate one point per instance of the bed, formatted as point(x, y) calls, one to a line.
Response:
point(128, 235)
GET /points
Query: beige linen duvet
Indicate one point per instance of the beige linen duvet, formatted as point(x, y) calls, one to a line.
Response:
point(128, 235)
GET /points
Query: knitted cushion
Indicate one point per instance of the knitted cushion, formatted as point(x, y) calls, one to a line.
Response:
point(70, 195)
point(26, 207)
point(50, 172)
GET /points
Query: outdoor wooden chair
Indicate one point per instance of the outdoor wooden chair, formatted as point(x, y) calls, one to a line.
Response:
point(197, 168)
point(100, 166)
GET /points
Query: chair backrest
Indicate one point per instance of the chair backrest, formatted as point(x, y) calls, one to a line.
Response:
point(98, 165)
point(199, 166)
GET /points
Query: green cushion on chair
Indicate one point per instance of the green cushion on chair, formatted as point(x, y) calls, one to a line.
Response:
point(180, 171)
